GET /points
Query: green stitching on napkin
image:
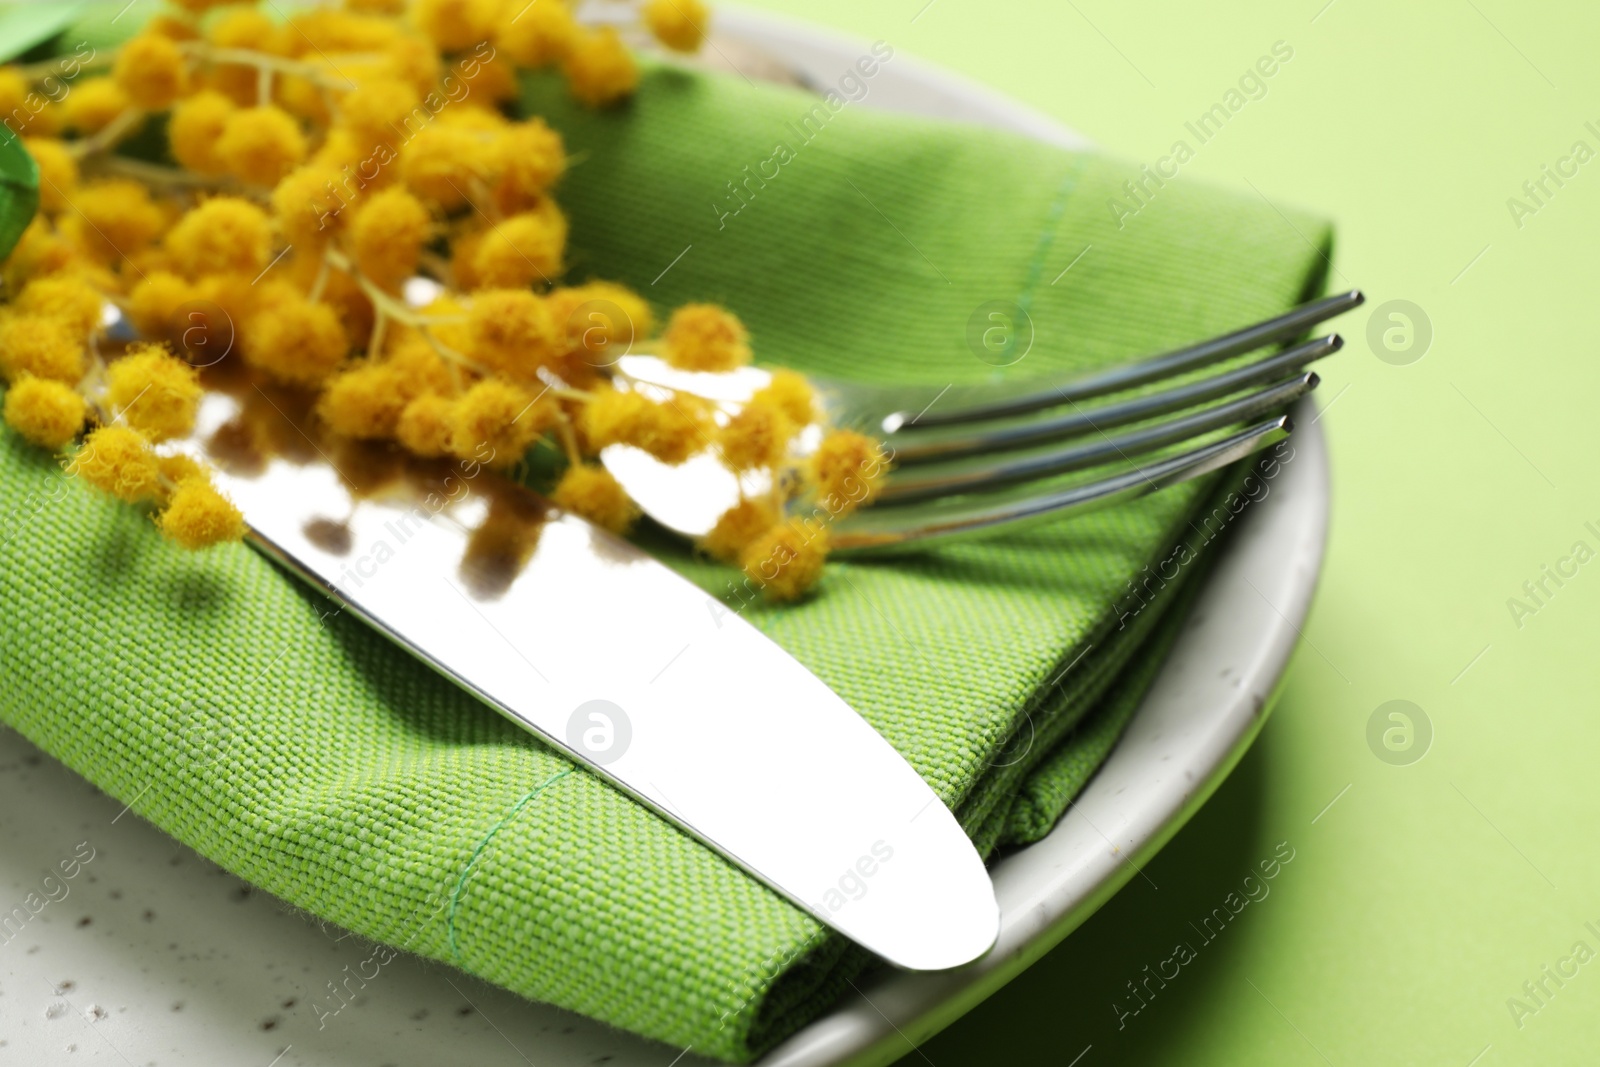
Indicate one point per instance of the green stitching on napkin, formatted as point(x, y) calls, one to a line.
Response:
point(455, 897)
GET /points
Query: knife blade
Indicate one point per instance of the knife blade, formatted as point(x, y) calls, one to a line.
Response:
point(633, 672)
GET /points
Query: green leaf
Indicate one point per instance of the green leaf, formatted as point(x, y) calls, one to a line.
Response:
point(19, 190)
point(25, 26)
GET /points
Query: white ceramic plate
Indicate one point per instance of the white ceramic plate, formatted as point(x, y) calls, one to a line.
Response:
point(153, 955)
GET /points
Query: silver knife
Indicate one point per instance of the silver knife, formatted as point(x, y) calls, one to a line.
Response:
point(633, 672)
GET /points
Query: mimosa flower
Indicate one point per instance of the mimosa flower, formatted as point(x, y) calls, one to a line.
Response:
point(119, 461)
point(512, 332)
point(224, 234)
point(92, 104)
point(592, 493)
point(790, 393)
point(197, 515)
point(45, 412)
point(41, 346)
point(195, 128)
point(705, 337)
point(755, 438)
point(679, 24)
point(538, 34)
point(260, 144)
point(387, 234)
point(68, 298)
point(295, 340)
point(787, 560)
point(599, 68)
point(848, 469)
point(151, 70)
point(154, 392)
point(498, 418)
point(671, 431)
point(738, 527)
point(426, 425)
point(58, 172)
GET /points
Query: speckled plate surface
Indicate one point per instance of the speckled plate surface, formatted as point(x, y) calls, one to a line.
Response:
point(150, 955)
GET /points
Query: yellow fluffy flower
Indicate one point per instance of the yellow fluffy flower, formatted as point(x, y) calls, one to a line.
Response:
point(601, 319)
point(456, 25)
point(92, 103)
point(704, 337)
point(58, 172)
point(322, 29)
point(178, 466)
point(120, 461)
point(738, 527)
point(243, 28)
point(528, 158)
point(154, 392)
point(592, 493)
point(446, 160)
point(376, 7)
point(755, 438)
point(671, 431)
point(511, 332)
point(679, 24)
point(848, 468)
point(68, 298)
point(301, 97)
point(787, 560)
point(173, 27)
point(150, 69)
point(415, 61)
point(352, 305)
point(39, 251)
point(419, 367)
point(47, 413)
point(113, 218)
point(224, 234)
point(40, 346)
point(387, 234)
point(155, 300)
point(790, 393)
point(489, 81)
point(210, 326)
point(296, 341)
point(496, 421)
point(198, 515)
point(376, 110)
point(260, 144)
point(308, 206)
point(426, 425)
point(599, 68)
point(539, 34)
point(200, 7)
point(364, 402)
point(14, 90)
point(195, 128)
point(525, 249)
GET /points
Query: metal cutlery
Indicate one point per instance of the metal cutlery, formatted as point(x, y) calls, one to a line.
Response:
point(973, 460)
point(611, 658)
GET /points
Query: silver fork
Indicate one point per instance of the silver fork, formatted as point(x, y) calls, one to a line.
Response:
point(971, 460)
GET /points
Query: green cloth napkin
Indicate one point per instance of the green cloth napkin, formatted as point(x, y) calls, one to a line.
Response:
point(314, 758)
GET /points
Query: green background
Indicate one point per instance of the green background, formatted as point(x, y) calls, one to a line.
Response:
point(1429, 893)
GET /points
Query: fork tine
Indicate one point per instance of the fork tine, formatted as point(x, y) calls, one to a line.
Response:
point(1283, 327)
point(979, 440)
point(926, 483)
point(867, 533)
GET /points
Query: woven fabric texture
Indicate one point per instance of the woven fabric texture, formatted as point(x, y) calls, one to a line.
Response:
point(312, 757)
